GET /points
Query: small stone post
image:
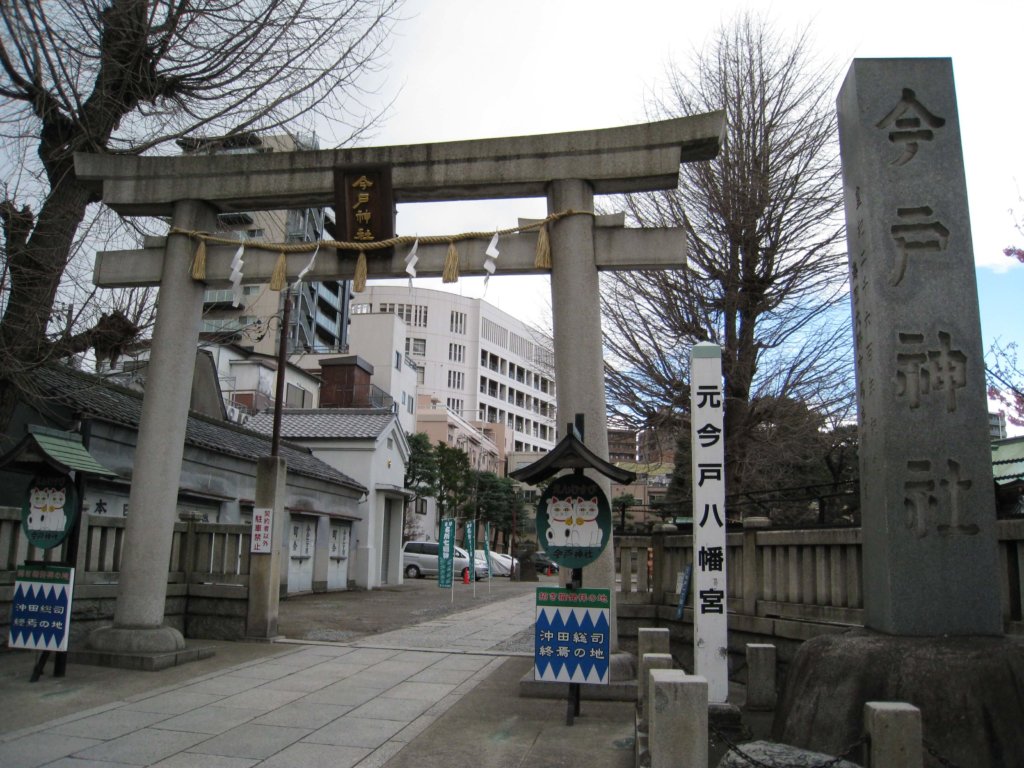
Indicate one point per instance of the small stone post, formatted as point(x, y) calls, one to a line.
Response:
point(678, 707)
point(761, 692)
point(652, 640)
point(894, 731)
point(648, 663)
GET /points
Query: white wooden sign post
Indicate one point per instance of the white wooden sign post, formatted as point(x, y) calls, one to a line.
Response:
point(710, 610)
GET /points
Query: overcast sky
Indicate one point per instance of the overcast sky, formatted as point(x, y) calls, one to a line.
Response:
point(463, 69)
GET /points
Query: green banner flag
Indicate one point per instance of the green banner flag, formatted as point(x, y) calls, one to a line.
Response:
point(446, 554)
point(487, 549)
point(471, 548)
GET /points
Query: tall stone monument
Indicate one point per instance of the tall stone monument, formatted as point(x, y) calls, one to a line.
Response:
point(927, 498)
point(933, 620)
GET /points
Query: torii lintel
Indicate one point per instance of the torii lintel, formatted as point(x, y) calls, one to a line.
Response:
point(632, 158)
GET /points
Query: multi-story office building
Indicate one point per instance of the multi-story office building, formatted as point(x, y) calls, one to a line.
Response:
point(483, 364)
point(318, 321)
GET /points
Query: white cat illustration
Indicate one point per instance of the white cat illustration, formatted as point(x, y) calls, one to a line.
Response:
point(586, 532)
point(46, 511)
point(560, 521)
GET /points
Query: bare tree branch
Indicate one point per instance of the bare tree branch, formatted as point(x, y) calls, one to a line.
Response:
point(766, 272)
point(132, 76)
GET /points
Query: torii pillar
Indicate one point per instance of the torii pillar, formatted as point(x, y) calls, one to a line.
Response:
point(579, 361)
point(567, 168)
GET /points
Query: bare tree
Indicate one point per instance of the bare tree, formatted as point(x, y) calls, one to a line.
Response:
point(766, 271)
point(131, 76)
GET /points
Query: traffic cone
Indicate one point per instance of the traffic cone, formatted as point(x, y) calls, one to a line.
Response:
point(465, 575)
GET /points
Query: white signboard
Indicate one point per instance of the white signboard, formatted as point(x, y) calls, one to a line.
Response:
point(710, 635)
point(262, 522)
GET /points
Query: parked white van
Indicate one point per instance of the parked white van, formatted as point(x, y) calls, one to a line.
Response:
point(419, 559)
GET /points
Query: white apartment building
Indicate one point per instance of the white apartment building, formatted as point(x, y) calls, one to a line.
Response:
point(318, 321)
point(480, 362)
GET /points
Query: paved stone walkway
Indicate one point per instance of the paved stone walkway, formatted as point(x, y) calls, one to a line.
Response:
point(337, 705)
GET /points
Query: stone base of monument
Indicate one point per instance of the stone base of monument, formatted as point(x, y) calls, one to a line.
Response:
point(622, 685)
point(144, 648)
point(967, 688)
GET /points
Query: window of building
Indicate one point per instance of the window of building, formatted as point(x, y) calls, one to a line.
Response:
point(413, 314)
point(457, 353)
point(398, 360)
point(455, 404)
point(416, 347)
point(254, 233)
point(361, 309)
point(456, 380)
point(420, 374)
point(458, 322)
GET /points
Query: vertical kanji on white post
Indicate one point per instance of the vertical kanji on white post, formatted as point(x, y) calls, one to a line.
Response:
point(710, 634)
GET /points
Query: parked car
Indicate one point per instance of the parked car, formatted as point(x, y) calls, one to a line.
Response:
point(543, 563)
point(502, 564)
point(419, 559)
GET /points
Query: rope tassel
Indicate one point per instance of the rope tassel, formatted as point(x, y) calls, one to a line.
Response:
point(199, 261)
point(451, 264)
point(542, 260)
point(277, 280)
point(359, 281)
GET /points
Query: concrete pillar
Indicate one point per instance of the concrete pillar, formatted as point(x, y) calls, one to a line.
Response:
point(678, 710)
point(579, 362)
point(152, 503)
point(265, 569)
point(894, 735)
point(761, 692)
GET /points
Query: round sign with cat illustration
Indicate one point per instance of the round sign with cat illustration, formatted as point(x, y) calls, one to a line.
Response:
point(574, 521)
point(49, 511)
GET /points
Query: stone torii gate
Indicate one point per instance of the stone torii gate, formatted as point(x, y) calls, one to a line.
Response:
point(566, 168)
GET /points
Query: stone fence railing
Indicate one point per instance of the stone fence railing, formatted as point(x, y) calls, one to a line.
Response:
point(789, 585)
point(781, 583)
point(207, 576)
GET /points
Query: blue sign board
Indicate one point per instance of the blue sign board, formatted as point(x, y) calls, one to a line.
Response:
point(572, 636)
point(41, 608)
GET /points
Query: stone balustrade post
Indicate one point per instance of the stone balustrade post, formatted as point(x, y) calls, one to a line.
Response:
point(752, 563)
point(189, 544)
point(761, 691)
point(658, 572)
point(677, 704)
point(894, 735)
